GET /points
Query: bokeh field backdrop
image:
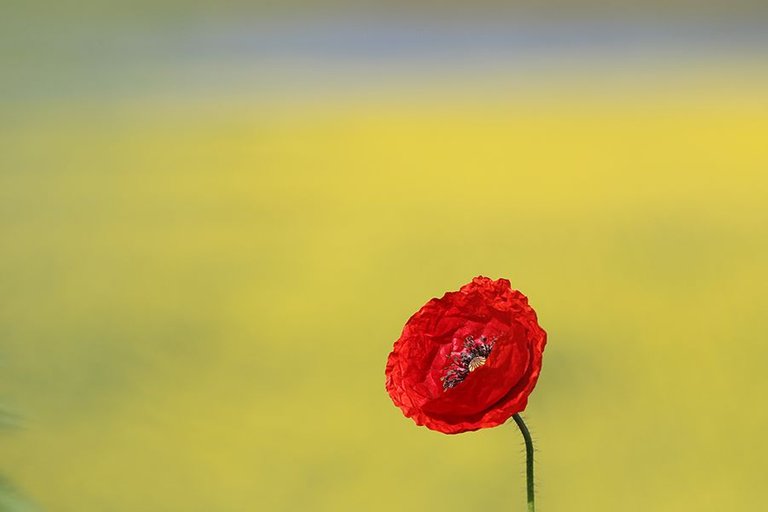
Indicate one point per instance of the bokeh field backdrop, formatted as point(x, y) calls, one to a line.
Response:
point(209, 243)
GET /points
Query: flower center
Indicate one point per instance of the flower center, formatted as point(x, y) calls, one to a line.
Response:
point(472, 356)
point(476, 363)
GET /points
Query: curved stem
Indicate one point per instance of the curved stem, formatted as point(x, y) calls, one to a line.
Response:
point(528, 460)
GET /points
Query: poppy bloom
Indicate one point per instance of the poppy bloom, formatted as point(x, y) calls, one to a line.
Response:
point(468, 360)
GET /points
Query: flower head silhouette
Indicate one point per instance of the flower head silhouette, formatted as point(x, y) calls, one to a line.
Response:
point(467, 360)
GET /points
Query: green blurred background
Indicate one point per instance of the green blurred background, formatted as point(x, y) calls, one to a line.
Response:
point(214, 222)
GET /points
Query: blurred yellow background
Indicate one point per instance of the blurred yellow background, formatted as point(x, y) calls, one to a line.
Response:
point(203, 271)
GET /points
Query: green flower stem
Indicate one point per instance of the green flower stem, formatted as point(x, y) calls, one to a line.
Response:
point(528, 460)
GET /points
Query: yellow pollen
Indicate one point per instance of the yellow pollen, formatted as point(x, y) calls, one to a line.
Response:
point(476, 363)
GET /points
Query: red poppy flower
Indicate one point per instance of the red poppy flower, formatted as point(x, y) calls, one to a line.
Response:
point(468, 360)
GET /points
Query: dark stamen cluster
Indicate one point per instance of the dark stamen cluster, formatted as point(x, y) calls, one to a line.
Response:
point(459, 367)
